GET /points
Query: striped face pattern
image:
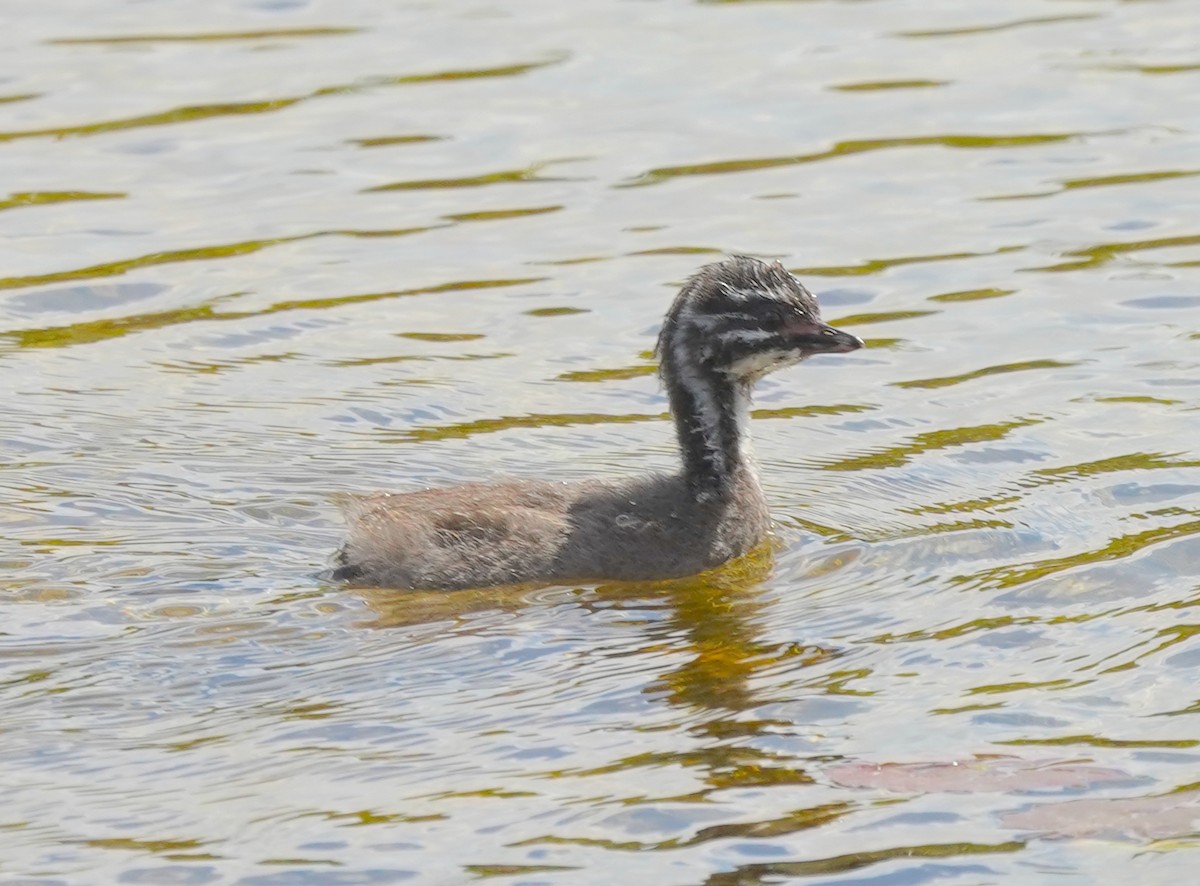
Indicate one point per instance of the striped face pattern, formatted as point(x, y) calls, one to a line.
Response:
point(731, 324)
point(743, 318)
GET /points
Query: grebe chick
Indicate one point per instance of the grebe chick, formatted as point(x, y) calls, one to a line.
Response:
point(732, 323)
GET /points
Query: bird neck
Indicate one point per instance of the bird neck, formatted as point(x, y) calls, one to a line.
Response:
point(712, 416)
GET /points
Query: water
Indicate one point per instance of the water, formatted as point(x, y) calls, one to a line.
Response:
point(278, 250)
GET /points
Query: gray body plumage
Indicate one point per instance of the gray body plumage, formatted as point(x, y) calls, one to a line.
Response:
point(733, 322)
point(485, 534)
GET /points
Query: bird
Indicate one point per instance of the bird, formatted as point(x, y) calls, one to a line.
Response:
point(733, 322)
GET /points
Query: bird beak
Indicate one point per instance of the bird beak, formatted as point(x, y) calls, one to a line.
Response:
point(817, 338)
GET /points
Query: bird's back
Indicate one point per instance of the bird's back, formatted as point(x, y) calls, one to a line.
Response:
point(468, 536)
point(481, 535)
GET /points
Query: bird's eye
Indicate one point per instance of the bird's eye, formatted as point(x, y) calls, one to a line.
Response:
point(779, 314)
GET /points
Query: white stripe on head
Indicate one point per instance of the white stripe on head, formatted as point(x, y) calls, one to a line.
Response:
point(754, 366)
point(707, 322)
point(737, 295)
point(734, 336)
point(719, 345)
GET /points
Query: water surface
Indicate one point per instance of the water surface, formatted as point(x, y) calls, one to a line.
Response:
point(281, 250)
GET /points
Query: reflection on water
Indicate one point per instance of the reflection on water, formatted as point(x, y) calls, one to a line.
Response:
point(271, 256)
